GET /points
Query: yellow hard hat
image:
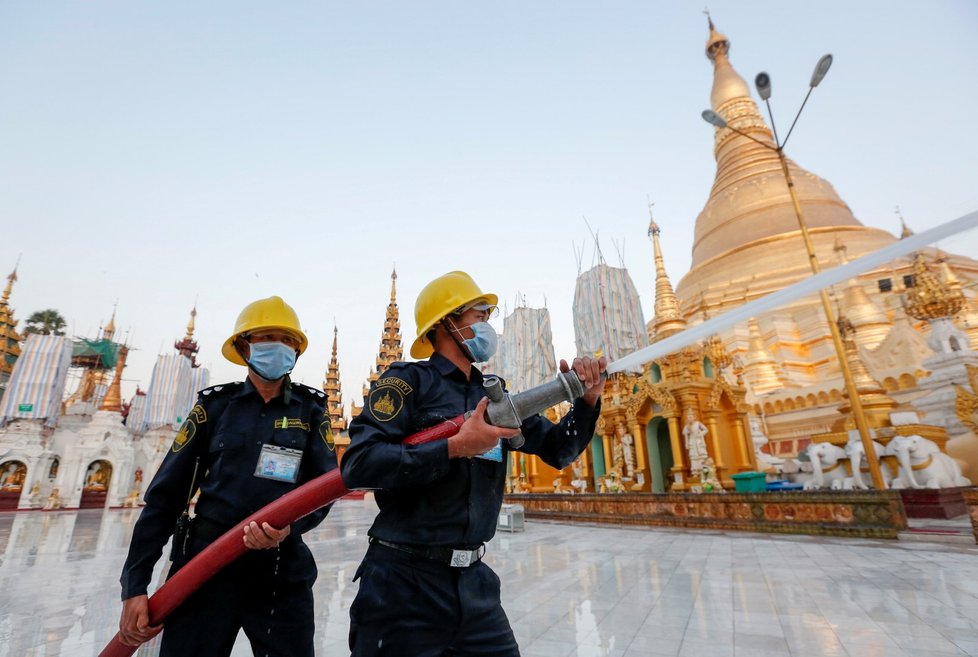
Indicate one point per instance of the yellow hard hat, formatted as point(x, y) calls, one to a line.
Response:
point(440, 298)
point(270, 313)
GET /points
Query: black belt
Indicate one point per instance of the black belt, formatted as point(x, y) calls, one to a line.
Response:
point(449, 556)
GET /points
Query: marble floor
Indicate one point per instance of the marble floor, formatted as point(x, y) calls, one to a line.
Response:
point(569, 590)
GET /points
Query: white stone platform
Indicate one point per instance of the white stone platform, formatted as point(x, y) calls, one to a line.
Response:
point(569, 590)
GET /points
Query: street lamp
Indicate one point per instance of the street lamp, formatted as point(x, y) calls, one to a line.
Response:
point(763, 84)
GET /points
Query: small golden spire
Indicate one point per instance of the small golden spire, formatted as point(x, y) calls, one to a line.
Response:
point(760, 368)
point(904, 231)
point(334, 391)
point(877, 404)
point(390, 349)
point(668, 318)
point(11, 279)
point(108, 332)
point(191, 324)
point(113, 396)
point(930, 297)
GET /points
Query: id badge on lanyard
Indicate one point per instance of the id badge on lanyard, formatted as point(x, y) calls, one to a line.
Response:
point(279, 463)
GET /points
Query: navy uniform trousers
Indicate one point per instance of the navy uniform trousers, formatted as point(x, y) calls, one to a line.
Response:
point(248, 594)
point(411, 606)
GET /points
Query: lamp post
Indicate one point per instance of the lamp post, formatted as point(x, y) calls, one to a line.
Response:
point(763, 84)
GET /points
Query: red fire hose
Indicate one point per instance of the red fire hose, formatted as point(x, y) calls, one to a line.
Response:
point(284, 511)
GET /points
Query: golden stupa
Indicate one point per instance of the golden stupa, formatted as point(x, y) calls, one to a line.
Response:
point(747, 242)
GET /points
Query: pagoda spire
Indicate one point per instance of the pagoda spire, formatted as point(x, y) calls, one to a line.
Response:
point(108, 331)
point(11, 279)
point(390, 349)
point(112, 401)
point(868, 320)
point(334, 391)
point(390, 342)
point(188, 347)
point(746, 240)
point(904, 230)
point(877, 404)
point(668, 317)
point(9, 337)
point(760, 368)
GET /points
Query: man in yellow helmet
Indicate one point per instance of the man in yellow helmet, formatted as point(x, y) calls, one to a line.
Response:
point(424, 590)
point(244, 445)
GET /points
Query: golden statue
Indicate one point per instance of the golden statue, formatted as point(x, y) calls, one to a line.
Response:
point(54, 500)
point(97, 477)
point(12, 479)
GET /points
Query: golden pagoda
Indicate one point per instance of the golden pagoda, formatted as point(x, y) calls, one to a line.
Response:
point(112, 401)
point(10, 339)
point(334, 392)
point(747, 242)
point(390, 350)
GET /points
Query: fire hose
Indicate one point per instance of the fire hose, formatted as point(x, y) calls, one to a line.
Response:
point(503, 410)
point(507, 411)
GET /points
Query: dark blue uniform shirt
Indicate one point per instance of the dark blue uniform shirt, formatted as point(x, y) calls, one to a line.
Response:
point(222, 439)
point(425, 498)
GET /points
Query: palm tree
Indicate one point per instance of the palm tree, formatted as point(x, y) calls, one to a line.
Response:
point(45, 322)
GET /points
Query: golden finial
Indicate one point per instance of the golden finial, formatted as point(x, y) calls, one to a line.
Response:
point(930, 297)
point(11, 279)
point(191, 324)
point(394, 284)
point(108, 332)
point(717, 44)
point(336, 332)
point(904, 231)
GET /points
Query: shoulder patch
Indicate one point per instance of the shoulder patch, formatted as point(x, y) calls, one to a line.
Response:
point(326, 433)
point(198, 416)
point(387, 398)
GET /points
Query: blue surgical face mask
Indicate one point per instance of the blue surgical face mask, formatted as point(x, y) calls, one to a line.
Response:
point(483, 344)
point(271, 360)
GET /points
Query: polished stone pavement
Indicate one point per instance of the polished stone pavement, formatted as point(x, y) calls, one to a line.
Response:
point(569, 590)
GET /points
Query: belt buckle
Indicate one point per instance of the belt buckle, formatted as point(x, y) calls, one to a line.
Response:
point(461, 558)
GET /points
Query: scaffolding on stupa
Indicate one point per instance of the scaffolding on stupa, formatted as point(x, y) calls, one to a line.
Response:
point(525, 356)
point(608, 319)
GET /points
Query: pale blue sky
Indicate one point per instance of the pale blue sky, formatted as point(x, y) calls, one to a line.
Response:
point(158, 152)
